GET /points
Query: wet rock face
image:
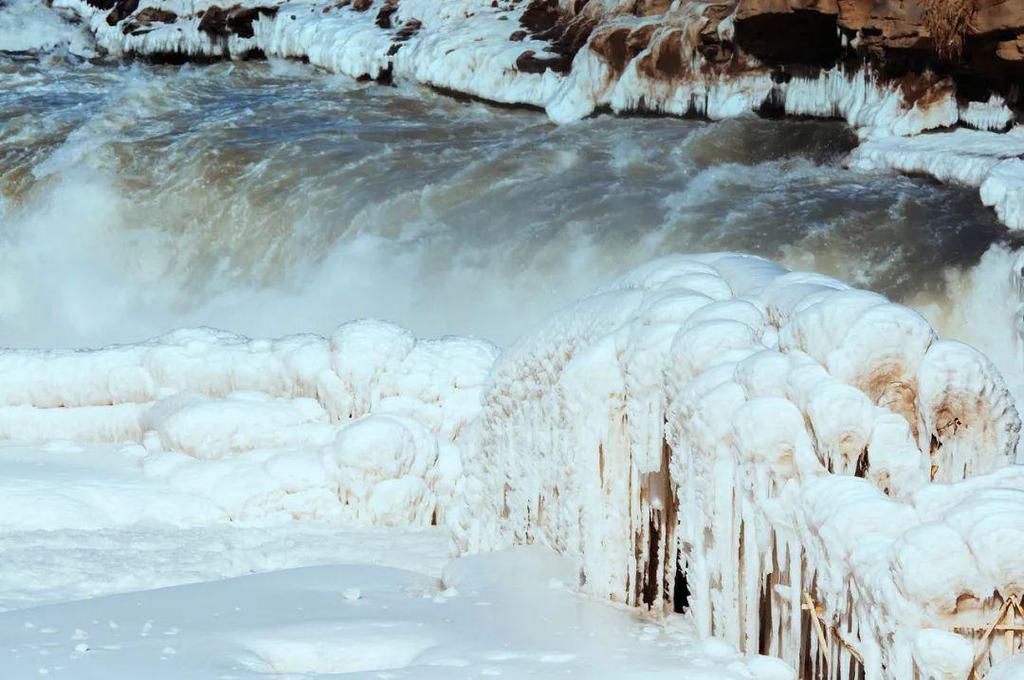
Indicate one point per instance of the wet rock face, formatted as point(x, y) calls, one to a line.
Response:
point(122, 9)
point(234, 20)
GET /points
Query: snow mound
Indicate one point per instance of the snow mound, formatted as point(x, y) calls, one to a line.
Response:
point(360, 426)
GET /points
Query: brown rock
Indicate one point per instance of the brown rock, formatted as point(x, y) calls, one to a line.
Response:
point(152, 15)
point(233, 20)
point(122, 9)
point(384, 15)
point(540, 16)
point(997, 15)
point(1011, 50)
point(750, 8)
point(214, 21)
point(529, 62)
point(239, 21)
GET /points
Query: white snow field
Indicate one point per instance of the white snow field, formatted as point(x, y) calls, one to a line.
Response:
point(804, 468)
point(504, 614)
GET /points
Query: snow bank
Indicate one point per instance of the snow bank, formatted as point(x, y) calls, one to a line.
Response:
point(368, 621)
point(775, 451)
point(361, 426)
point(714, 408)
point(987, 160)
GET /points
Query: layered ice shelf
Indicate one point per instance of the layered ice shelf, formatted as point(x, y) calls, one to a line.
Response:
point(806, 468)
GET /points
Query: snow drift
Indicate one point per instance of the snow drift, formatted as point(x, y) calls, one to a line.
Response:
point(782, 455)
point(360, 426)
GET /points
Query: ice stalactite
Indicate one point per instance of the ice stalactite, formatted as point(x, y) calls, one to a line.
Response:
point(799, 451)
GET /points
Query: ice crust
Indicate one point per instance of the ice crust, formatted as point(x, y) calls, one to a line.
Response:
point(769, 434)
point(765, 433)
point(987, 160)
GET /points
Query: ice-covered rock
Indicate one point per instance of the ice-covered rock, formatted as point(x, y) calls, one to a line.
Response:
point(716, 433)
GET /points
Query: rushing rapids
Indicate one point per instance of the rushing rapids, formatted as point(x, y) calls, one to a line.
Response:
point(888, 69)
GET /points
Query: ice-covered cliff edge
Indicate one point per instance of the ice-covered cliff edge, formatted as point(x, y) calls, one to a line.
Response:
point(886, 68)
point(717, 59)
point(786, 457)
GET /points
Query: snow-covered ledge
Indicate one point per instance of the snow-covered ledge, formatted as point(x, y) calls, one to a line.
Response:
point(992, 162)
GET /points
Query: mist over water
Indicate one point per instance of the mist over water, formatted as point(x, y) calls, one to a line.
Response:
point(272, 198)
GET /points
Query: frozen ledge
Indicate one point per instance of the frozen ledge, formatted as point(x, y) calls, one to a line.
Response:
point(718, 434)
point(992, 162)
point(711, 432)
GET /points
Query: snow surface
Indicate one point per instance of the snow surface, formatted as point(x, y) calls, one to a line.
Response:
point(774, 435)
point(496, 615)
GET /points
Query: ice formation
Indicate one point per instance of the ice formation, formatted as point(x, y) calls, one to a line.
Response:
point(753, 444)
point(360, 426)
point(782, 455)
point(987, 160)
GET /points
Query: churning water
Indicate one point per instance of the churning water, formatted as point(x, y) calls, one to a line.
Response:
point(268, 198)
